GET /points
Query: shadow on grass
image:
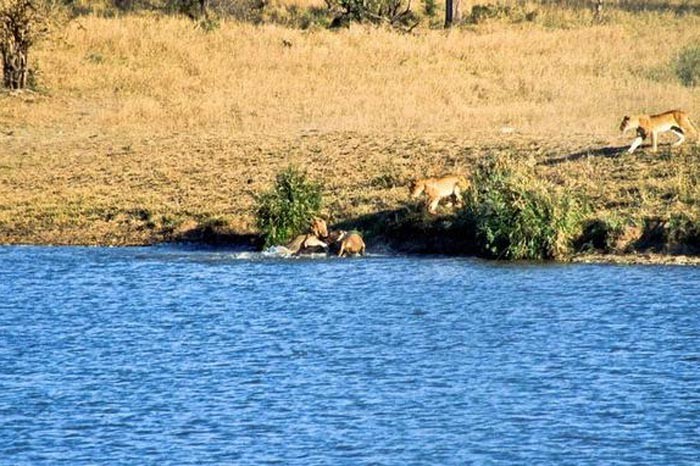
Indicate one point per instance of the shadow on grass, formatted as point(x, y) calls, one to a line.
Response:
point(600, 152)
point(215, 236)
point(407, 230)
point(659, 6)
point(637, 6)
point(662, 236)
point(410, 230)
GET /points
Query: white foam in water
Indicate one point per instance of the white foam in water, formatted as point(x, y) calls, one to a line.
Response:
point(246, 255)
point(257, 255)
point(275, 252)
point(281, 252)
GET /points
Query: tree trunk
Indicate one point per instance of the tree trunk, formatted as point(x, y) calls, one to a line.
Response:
point(14, 68)
point(448, 13)
point(453, 12)
point(598, 10)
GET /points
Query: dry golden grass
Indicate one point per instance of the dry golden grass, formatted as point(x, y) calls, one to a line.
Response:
point(150, 126)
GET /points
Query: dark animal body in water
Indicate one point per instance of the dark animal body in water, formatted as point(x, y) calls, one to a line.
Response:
point(305, 244)
point(319, 240)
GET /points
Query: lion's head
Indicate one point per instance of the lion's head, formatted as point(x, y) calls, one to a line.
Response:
point(627, 123)
point(319, 228)
point(416, 188)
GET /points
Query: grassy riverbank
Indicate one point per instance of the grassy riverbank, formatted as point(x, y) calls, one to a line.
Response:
point(146, 129)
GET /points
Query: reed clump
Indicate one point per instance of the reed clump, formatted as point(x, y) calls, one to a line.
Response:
point(517, 216)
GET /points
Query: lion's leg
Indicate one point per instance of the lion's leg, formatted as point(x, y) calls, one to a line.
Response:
point(681, 137)
point(295, 245)
point(433, 205)
point(636, 143)
point(458, 196)
point(687, 126)
point(654, 141)
point(342, 250)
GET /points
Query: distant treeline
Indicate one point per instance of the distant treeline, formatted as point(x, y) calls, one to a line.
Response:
point(240, 8)
point(193, 8)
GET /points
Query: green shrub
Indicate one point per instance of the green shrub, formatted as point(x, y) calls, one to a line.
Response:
point(516, 216)
point(683, 229)
point(209, 24)
point(396, 13)
point(287, 209)
point(688, 66)
point(294, 16)
point(515, 13)
point(430, 8)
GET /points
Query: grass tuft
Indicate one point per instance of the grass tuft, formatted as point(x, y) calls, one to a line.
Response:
point(683, 231)
point(687, 66)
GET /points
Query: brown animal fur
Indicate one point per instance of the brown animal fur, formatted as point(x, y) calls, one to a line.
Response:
point(309, 242)
point(351, 243)
point(335, 236)
point(676, 121)
point(304, 243)
point(319, 228)
point(439, 188)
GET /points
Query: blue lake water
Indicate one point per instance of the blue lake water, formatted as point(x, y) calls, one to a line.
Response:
point(169, 355)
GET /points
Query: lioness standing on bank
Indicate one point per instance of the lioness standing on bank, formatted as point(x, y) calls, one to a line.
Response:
point(676, 121)
point(439, 188)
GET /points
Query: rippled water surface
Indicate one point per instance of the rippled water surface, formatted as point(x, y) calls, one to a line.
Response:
point(178, 356)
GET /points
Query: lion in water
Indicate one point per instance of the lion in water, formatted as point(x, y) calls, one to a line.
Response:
point(309, 242)
point(346, 243)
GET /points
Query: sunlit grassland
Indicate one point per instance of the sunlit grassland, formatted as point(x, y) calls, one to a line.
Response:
point(145, 126)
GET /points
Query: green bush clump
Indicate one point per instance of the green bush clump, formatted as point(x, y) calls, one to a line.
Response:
point(515, 215)
point(294, 16)
point(688, 66)
point(516, 13)
point(396, 13)
point(286, 210)
point(683, 229)
point(430, 8)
